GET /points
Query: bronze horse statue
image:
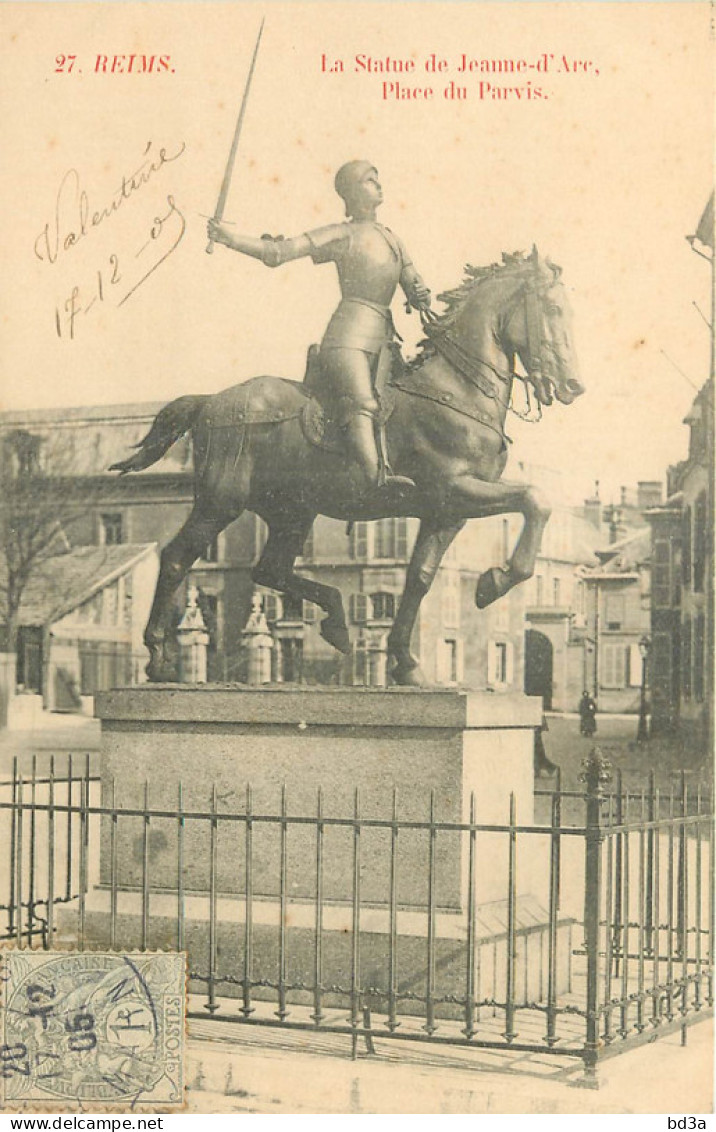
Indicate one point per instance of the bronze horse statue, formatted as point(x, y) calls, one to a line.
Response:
point(258, 446)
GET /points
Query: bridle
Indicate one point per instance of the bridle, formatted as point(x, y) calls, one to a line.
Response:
point(472, 367)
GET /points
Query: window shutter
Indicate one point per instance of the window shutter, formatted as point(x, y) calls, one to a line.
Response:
point(359, 608)
point(510, 663)
point(401, 538)
point(359, 540)
point(272, 607)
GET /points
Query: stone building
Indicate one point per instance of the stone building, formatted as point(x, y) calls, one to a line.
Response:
point(454, 641)
point(682, 606)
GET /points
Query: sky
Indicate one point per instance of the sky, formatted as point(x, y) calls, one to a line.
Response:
point(607, 171)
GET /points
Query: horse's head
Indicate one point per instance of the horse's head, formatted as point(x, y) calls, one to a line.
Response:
point(537, 326)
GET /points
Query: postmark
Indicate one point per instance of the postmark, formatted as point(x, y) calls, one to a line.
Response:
point(92, 1028)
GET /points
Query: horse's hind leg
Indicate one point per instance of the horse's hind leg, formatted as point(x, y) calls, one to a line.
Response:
point(177, 559)
point(275, 570)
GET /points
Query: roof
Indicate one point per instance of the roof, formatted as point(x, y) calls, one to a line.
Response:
point(66, 580)
point(625, 556)
point(86, 440)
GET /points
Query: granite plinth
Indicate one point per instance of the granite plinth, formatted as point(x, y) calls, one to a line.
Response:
point(211, 741)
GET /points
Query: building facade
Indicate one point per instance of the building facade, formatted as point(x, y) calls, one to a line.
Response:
point(682, 607)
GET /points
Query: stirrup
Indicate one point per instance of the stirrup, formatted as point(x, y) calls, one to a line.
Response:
point(386, 478)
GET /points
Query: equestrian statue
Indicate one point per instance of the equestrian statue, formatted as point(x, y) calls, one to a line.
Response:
point(368, 435)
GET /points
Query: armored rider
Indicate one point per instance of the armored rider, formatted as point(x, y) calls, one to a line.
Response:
point(371, 262)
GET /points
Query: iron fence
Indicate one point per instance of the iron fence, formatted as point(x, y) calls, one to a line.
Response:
point(377, 926)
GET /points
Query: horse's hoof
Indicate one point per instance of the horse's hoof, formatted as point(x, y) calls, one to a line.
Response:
point(408, 676)
point(488, 587)
point(160, 672)
point(336, 634)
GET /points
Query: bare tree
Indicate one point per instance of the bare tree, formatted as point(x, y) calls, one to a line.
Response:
point(46, 488)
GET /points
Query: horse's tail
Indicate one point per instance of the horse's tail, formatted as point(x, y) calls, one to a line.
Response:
point(169, 425)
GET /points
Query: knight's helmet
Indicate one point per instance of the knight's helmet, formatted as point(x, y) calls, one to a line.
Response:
point(349, 176)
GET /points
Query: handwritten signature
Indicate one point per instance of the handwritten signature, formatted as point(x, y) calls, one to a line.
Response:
point(74, 219)
point(115, 278)
point(111, 279)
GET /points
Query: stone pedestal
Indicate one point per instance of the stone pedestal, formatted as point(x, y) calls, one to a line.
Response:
point(408, 742)
point(204, 745)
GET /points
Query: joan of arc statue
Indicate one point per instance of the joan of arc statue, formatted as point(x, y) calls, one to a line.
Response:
point(371, 262)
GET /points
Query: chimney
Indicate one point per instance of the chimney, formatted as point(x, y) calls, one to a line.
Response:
point(623, 501)
point(593, 508)
point(616, 527)
point(649, 494)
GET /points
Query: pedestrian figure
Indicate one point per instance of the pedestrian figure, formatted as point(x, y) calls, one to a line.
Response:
point(587, 715)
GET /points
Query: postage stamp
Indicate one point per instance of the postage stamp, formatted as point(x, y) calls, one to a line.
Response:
point(92, 1028)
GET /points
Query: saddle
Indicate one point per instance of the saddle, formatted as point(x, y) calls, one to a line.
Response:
point(262, 403)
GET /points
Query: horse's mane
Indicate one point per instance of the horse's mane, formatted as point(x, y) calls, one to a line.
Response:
point(512, 264)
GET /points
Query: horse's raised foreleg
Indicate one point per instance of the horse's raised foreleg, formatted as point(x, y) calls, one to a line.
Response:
point(477, 499)
point(275, 570)
point(177, 559)
point(430, 546)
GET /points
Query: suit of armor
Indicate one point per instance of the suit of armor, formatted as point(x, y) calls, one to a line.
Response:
point(371, 261)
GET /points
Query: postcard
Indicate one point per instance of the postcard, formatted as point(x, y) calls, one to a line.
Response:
point(356, 414)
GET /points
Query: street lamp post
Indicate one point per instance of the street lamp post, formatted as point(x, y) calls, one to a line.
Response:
point(642, 733)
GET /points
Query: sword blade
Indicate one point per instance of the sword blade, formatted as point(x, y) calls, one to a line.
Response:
point(226, 182)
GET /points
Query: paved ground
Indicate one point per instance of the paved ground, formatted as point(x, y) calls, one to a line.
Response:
point(616, 737)
point(235, 1069)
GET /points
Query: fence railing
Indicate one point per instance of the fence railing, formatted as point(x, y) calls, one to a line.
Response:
point(576, 940)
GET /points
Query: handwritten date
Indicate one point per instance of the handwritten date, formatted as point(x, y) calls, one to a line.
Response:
point(115, 283)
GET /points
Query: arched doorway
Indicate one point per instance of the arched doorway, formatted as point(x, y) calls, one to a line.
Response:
point(538, 666)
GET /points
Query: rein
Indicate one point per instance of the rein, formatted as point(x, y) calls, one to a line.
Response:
point(470, 366)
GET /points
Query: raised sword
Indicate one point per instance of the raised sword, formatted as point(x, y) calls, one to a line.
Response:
point(226, 182)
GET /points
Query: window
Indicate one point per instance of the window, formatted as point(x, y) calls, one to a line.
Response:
point(539, 589)
point(111, 529)
point(391, 538)
point(450, 667)
point(291, 659)
point(615, 610)
point(698, 682)
point(292, 608)
point(634, 667)
point(29, 658)
point(359, 608)
point(358, 547)
point(383, 606)
point(499, 663)
point(686, 547)
point(686, 659)
point(615, 666)
point(103, 665)
point(700, 542)
point(211, 552)
point(273, 607)
point(660, 574)
point(310, 612)
point(360, 662)
point(555, 591)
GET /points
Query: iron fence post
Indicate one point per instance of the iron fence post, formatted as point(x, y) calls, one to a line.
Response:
point(596, 774)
